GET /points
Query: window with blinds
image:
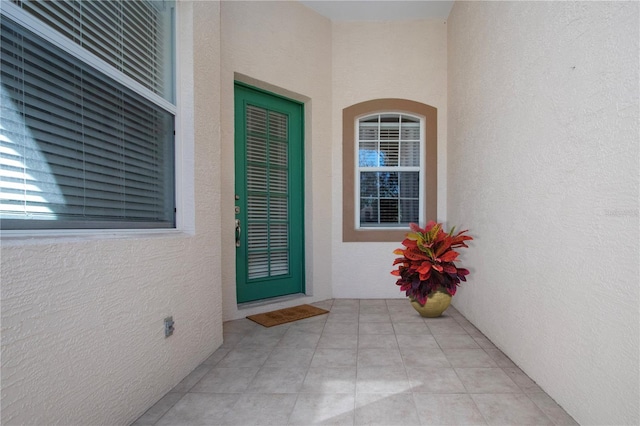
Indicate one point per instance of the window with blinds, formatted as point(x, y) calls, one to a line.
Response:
point(389, 169)
point(87, 114)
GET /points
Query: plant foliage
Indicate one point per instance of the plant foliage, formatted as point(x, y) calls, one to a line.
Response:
point(427, 262)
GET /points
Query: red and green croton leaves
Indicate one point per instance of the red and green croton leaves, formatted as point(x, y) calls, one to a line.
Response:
point(427, 262)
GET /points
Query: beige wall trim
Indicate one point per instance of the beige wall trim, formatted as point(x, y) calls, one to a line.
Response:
point(349, 115)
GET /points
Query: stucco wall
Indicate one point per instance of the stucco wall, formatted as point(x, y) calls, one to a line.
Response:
point(283, 47)
point(371, 60)
point(82, 317)
point(543, 169)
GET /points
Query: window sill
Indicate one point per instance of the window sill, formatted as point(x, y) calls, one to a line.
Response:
point(56, 236)
point(369, 235)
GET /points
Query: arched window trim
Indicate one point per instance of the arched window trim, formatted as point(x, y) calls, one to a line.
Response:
point(350, 117)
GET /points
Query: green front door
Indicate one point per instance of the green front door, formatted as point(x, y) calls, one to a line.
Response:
point(269, 195)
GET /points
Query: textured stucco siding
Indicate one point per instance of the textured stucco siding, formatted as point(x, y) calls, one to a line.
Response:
point(372, 60)
point(82, 317)
point(543, 169)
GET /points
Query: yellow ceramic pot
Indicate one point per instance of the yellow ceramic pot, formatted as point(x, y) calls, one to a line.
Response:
point(437, 303)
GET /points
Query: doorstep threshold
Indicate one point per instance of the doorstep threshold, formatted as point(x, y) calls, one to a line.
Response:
point(271, 301)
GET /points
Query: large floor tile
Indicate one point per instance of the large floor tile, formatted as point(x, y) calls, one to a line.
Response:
point(326, 357)
point(344, 316)
point(391, 379)
point(456, 341)
point(196, 409)
point(295, 338)
point(316, 319)
point(418, 328)
point(469, 358)
point(510, 409)
point(379, 357)
point(373, 302)
point(245, 357)
point(398, 303)
point(290, 357)
point(417, 358)
point(456, 409)
point(323, 409)
point(384, 317)
point(448, 327)
point(274, 331)
point(413, 341)
point(486, 380)
point(386, 410)
point(435, 380)
point(309, 327)
point(259, 340)
point(375, 328)
point(277, 380)
point(377, 341)
point(344, 309)
point(330, 380)
point(338, 341)
point(346, 302)
point(374, 309)
point(260, 409)
point(226, 380)
point(405, 317)
point(340, 327)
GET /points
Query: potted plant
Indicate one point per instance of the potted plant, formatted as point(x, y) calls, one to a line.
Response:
point(427, 271)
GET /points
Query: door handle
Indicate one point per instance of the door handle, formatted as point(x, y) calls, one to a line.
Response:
point(238, 232)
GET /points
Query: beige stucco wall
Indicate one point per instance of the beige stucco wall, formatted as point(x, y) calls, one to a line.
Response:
point(543, 170)
point(284, 47)
point(82, 316)
point(538, 156)
point(371, 60)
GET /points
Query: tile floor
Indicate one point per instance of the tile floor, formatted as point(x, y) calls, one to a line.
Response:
point(367, 362)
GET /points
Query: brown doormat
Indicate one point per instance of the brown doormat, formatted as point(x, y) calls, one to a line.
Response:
point(282, 316)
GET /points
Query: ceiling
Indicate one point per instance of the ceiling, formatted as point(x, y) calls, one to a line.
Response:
point(380, 10)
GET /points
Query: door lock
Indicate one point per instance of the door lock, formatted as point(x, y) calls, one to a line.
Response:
point(237, 209)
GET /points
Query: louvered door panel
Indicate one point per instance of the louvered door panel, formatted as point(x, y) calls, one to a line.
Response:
point(267, 173)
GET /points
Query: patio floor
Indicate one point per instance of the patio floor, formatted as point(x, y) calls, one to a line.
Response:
point(367, 362)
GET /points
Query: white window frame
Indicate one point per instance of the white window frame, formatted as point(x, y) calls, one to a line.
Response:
point(41, 29)
point(359, 169)
point(184, 121)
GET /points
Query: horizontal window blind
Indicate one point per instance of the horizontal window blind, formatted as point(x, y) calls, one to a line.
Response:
point(77, 148)
point(389, 170)
point(132, 36)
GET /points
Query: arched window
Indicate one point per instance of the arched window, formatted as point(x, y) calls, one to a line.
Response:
point(389, 168)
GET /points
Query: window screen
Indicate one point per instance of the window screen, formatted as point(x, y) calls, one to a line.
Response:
point(80, 148)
